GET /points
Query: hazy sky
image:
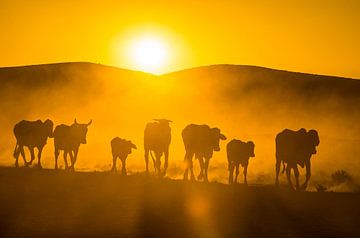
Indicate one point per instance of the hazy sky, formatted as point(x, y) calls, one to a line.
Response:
point(320, 36)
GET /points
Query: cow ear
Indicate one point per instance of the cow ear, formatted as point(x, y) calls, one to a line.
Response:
point(75, 122)
point(133, 146)
point(222, 137)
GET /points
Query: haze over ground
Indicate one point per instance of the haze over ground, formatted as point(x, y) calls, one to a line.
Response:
point(245, 102)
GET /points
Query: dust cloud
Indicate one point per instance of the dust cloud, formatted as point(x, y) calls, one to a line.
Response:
point(245, 102)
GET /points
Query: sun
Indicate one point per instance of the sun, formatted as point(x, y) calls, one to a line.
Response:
point(149, 54)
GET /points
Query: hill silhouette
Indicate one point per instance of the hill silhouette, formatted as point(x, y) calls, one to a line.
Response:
point(245, 102)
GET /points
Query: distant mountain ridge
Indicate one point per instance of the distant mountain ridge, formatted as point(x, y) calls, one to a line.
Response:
point(199, 68)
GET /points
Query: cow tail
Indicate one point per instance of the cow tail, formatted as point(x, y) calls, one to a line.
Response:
point(16, 150)
point(283, 171)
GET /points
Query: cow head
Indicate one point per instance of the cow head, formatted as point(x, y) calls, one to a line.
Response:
point(49, 127)
point(165, 123)
point(133, 146)
point(130, 146)
point(80, 131)
point(216, 136)
point(313, 140)
point(251, 148)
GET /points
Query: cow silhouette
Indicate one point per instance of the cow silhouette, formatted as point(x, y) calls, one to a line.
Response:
point(295, 148)
point(157, 138)
point(32, 134)
point(239, 153)
point(121, 148)
point(201, 141)
point(69, 139)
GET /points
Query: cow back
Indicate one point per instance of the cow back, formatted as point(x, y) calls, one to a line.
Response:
point(197, 138)
point(238, 151)
point(30, 133)
point(64, 138)
point(157, 136)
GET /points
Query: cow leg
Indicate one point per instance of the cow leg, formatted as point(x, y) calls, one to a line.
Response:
point(72, 160)
point(123, 168)
point(237, 172)
point(113, 169)
point(206, 167)
point(187, 165)
point(288, 175)
point(73, 157)
point(296, 172)
point(201, 174)
point(158, 164)
point(22, 152)
point(166, 162)
point(191, 167)
point(231, 172)
point(40, 149)
point(16, 155)
point(76, 152)
point(32, 153)
point(65, 160)
point(153, 160)
point(147, 160)
point(308, 174)
point(57, 152)
point(245, 173)
point(277, 166)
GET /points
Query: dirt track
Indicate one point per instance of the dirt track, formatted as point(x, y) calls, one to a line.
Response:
point(47, 203)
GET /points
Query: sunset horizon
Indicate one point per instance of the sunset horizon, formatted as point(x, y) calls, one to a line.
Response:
point(313, 37)
point(179, 119)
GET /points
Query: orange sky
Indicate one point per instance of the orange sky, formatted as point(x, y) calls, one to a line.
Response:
point(320, 36)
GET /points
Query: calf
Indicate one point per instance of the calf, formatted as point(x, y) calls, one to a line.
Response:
point(239, 153)
point(121, 148)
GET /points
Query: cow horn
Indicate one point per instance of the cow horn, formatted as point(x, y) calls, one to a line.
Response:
point(89, 123)
point(75, 121)
point(162, 120)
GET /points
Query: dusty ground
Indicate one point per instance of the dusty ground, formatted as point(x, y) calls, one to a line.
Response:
point(47, 203)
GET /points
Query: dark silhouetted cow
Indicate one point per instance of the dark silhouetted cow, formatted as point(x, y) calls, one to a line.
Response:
point(157, 138)
point(69, 139)
point(239, 153)
point(33, 134)
point(295, 148)
point(121, 148)
point(201, 141)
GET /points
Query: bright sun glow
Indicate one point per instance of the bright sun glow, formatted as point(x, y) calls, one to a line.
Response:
point(148, 54)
